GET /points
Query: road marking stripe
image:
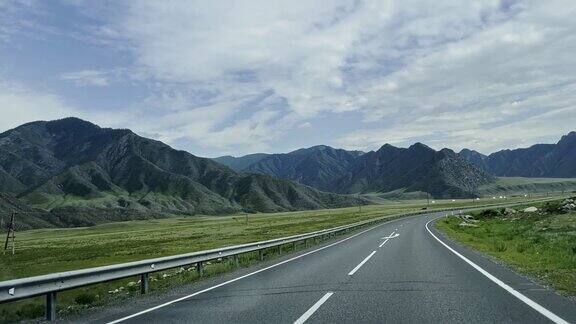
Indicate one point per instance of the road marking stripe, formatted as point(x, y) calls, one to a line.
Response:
point(255, 272)
point(361, 263)
point(381, 245)
point(313, 309)
point(551, 316)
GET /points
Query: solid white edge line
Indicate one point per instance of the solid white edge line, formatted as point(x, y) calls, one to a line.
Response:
point(313, 309)
point(539, 308)
point(256, 272)
point(361, 263)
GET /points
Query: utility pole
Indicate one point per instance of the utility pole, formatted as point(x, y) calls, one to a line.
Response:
point(10, 235)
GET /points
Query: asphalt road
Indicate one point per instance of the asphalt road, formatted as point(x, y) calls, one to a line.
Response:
point(408, 278)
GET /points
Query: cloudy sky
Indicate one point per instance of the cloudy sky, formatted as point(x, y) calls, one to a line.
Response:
point(237, 77)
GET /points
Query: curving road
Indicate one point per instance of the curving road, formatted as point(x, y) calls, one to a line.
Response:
point(400, 271)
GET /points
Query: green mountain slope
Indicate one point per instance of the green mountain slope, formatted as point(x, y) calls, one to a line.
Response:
point(537, 161)
point(242, 162)
point(71, 163)
point(414, 169)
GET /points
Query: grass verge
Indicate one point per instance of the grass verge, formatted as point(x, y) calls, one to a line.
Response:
point(541, 244)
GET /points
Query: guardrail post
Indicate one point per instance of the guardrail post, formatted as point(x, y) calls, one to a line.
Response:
point(51, 306)
point(306, 243)
point(199, 268)
point(261, 253)
point(293, 246)
point(144, 283)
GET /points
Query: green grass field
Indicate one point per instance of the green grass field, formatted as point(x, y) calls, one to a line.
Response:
point(521, 186)
point(541, 245)
point(55, 250)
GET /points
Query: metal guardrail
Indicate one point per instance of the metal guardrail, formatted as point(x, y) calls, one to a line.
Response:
point(51, 284)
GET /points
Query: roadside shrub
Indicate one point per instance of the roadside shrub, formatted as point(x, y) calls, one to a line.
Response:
point(553, 208)
point(85, 299)
point(500, 246)
point(489, 213)
point(522, 247)
point(536, 239)
point(508, 236)
point(31, 311)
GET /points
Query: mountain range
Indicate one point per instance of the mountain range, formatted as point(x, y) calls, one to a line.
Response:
point(441, 173)
point(70, 163)
point(71, 172)
point(417, 168)
point(537, 161)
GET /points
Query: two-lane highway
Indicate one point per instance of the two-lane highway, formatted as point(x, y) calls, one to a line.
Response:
point(400, 271)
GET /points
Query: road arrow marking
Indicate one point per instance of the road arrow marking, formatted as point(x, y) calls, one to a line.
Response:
point(391, 236)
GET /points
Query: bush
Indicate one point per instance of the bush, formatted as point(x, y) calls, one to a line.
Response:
point(123, 202)
point(521, 247)
point(30, 311)
point(85, 299)
point(500, 246)
point(489, 213)
point(536, 239)
point(553, 208)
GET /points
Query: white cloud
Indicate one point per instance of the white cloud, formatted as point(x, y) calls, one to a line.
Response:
point(388, 59)
point(19, 105)
point(497, 88)
point(87, 77)
point(239, 75)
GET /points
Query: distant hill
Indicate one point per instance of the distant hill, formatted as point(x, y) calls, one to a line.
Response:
point(417, 168)
point(240, 163)
point(540, 160)
point(318, 166)
point(73, 164)
point(476, 158)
